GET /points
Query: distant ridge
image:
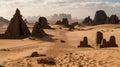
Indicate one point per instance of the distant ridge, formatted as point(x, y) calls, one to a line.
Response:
point(4, 20)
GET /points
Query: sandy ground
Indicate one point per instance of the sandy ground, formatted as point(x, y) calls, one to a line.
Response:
point(65, 54)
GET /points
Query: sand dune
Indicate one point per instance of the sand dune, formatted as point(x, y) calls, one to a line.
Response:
point(65, 54)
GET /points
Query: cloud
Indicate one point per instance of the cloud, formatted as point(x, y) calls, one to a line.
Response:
point(78, 8)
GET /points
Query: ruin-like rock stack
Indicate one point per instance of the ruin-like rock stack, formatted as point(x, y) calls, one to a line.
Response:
point(87, 21)
point(113, 19)
point(84, 43)
point(43, 23)
point(100, 17)
point(38, 31)
point(17, 28)
point(99, 37)
point(110, 43)
point(65, 22)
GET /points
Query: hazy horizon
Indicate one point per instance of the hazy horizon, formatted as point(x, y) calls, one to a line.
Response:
point(77, 8)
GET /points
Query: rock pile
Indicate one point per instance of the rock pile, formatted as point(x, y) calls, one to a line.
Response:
point(87, 21)
point(100, 17)
point(84, 43)
point(48, 61)
point(17, 28)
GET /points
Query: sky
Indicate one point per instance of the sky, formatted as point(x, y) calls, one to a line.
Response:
point(77, 8)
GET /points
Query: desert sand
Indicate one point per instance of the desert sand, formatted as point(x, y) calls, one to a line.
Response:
point(16, 53)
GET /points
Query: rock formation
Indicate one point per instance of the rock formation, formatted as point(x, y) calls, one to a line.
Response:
point(17, 28)
point(72, 26)
point(113, 20)
point(65, 22)
point(87, 21)
point(84, 43)
point(43, 23)
point(38, 30)
point(110, 43)
point(99, 37)
point(100, 17)
point(58, 22)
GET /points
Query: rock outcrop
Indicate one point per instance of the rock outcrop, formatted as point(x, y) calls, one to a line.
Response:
point(100, 17)
point(38, 30)
point(43, 23)
point(113, 20)
point(87, 21)
point(65, 22)
point(58, 22)
point(84, 43)
point(72, 26)
point(17, 28)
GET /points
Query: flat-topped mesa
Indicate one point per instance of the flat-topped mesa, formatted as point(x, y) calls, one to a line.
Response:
point(38, 31)
point(84, 43)
point(113, 20)
point(99, 38)
point(17, 28)
point(43, 23)
point(87, 21)
point(65, 22)
point(100, 17)
point(110, 43)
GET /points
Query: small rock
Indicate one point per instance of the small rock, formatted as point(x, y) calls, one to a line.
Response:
point(62, 41)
